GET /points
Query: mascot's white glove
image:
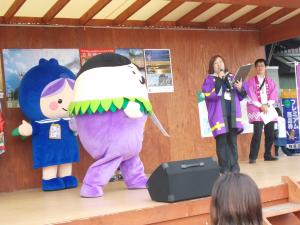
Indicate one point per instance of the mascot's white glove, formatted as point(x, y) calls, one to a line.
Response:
point(25, 129)
point(133, 110)
point(72, 124)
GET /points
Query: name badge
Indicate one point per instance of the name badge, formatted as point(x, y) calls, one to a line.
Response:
point(227, 95)
point(55, 131)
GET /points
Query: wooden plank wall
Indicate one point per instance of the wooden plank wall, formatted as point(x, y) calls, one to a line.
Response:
point(178, 111)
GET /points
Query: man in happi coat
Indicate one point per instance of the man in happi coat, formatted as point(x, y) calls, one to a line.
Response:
point(263, 95)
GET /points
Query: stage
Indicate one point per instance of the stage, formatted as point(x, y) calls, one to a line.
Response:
point(121, 206)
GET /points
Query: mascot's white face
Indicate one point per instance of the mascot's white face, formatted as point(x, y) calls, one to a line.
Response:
point(109, 83)
point(56, 105)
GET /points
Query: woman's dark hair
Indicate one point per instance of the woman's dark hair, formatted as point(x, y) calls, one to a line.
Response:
point(278, 111)
point(260, 61)
point(211, 63)
point(235, 201)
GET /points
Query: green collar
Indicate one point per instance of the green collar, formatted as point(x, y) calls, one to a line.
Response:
point(105, 105)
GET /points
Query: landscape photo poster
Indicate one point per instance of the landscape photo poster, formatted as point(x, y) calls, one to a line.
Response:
point(159, 74)
point(16, 62)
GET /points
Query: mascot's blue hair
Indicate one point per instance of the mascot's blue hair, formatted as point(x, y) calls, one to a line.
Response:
point(33, 83)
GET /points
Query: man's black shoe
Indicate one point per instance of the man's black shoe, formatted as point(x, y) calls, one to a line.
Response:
point(271, 158)
point(252, 161)
point(287, 152)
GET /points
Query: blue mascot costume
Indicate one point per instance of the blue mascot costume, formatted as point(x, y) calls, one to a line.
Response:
point(46, 91)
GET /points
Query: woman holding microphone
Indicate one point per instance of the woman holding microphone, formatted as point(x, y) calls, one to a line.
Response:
point(222, 98)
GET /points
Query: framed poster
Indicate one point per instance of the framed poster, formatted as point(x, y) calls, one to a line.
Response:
point(159, 74)
point(18, 61)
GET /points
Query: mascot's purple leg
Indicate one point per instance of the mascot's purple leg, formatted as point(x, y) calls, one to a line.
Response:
point(98, 175)
point(133, 173)
point(113, 140)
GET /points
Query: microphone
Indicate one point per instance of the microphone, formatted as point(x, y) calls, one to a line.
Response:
point(225, 72)
point(226, 79)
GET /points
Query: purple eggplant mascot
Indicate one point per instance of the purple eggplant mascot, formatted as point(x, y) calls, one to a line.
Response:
point(110, 106)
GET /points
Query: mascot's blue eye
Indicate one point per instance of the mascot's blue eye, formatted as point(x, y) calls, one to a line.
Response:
point(59, 101)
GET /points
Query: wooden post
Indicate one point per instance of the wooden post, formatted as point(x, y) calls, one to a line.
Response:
point(293, 189)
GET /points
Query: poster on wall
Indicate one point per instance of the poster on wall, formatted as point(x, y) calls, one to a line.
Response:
point(203, 117)
point(158, 70)
point(136, 56)
point(85, 54)
point(290, 113)
point(18, 61)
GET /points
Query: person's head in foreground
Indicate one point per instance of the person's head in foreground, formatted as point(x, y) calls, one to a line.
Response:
point(235, 201)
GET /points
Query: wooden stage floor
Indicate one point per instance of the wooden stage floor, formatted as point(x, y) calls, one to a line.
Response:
point(34, 207)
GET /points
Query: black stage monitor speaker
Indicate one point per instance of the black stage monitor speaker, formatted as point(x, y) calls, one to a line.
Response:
point(182, 180)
